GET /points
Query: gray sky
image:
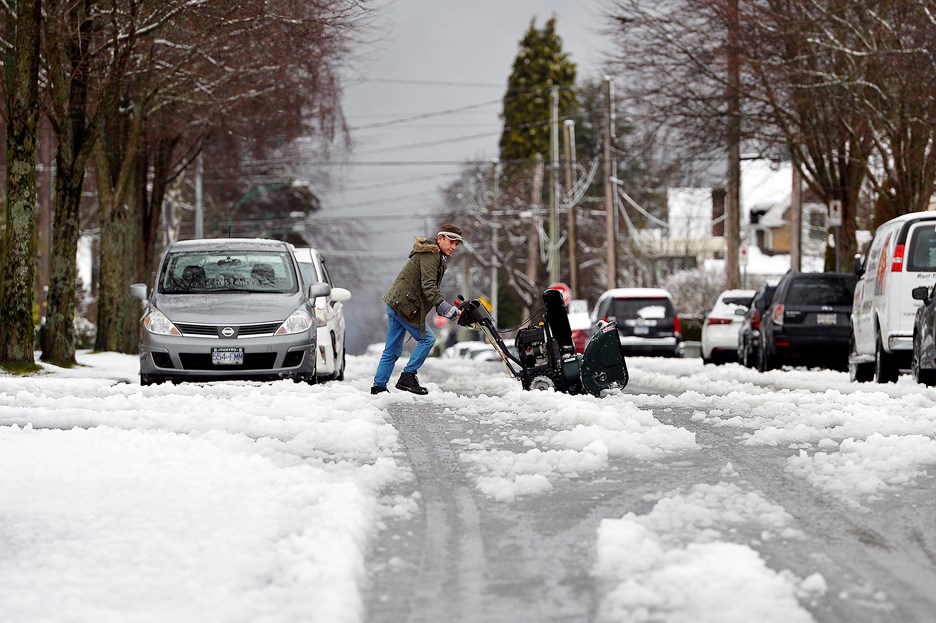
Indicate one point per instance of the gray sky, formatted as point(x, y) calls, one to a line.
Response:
point(430, 57)
point(436, 56)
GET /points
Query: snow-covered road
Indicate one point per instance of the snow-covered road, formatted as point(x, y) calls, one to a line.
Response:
point(273, 502)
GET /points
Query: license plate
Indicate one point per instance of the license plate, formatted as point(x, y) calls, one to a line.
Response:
point(227, 356)
point(826, 319)
point(638, 330)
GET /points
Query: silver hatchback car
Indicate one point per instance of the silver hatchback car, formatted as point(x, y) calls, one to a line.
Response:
point(228, 309)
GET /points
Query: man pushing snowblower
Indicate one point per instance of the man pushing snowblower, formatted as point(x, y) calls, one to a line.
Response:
point(547, 356)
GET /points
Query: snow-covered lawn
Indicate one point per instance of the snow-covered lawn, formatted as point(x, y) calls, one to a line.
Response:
point(259, 502)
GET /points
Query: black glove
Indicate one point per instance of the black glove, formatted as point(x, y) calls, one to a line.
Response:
point(447, 311)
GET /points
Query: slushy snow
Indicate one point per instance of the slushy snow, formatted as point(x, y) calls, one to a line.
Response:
point(260, 501)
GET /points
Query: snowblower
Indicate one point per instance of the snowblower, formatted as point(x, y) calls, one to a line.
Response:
point(546, 356)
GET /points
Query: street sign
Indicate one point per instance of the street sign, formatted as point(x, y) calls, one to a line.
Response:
point(835, 213)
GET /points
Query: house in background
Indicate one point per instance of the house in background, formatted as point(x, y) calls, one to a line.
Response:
point(695, 236)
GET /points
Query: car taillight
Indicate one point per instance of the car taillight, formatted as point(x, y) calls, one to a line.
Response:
point(711, 321)
point(777, 314)
point(897, 264)
point(676, 327)
point(755, 319)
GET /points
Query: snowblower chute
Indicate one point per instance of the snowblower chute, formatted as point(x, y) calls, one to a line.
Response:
point(546, 354)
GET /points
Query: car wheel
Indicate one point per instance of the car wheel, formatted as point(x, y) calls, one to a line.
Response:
point(763, 360)
point(340, 376)
point(885, 371)
point(924, 376)
point(858, 372)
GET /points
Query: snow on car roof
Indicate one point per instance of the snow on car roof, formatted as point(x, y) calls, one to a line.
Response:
point(209, 244)
point(633, 293)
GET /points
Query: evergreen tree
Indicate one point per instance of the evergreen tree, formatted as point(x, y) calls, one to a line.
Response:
point(540, 65)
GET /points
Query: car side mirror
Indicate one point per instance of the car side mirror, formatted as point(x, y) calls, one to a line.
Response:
point(319, 289)
point(340, 295)
point(138, 291)
point(859, 265)
point(920, 293)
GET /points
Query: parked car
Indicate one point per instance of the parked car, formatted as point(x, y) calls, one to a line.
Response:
point(749, 334)
point(902, 257)
point(646, 320)
point(580, 323)
point(469, 349)
point(722, 324)
point(228, 309)
point(808, 321)
point(923, 358)
point(329, 315)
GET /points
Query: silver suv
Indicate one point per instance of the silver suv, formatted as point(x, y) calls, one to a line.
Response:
point(228, 309)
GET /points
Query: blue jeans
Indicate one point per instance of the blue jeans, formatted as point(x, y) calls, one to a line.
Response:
point(397, 328)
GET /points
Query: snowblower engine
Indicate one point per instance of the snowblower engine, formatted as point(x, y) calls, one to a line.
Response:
point(546, 356)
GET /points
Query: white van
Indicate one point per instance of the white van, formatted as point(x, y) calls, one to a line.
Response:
point(901, 257)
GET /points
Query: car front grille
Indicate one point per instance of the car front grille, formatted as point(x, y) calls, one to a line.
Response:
point(213, 330)
point(252, 361)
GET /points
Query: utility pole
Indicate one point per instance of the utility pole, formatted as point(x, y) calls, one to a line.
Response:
point(569, 127)
point(533, 240)
point(554, 188)
point(609, 186)
point(796, 221)
point(199, 210)
point(733, 137)
point(495, 262)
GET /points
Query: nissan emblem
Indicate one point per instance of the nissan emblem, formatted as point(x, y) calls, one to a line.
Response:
point(227, 331)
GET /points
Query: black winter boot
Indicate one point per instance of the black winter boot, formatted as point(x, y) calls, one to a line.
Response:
point(409, 383)
point(378, 389)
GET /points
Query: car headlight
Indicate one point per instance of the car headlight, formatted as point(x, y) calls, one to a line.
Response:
point(156, 322)
point(299, 321)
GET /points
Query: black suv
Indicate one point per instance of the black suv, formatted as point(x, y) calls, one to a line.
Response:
point(749, 335)
point(808, 321)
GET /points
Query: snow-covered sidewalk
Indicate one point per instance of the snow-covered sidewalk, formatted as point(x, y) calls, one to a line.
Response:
point(217, 502)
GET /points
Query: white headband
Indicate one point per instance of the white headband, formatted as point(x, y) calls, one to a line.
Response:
point(450, 236)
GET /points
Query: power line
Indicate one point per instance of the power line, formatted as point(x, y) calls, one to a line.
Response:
point(437, 83)
point(441, 141)
point(426, 115)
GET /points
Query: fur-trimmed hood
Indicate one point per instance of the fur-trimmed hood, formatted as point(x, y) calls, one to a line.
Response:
point(425, 245)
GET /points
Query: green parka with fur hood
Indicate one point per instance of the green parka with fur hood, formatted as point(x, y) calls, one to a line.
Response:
point(415, 292)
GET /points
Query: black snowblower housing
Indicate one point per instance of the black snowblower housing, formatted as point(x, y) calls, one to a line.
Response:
point(546, 353)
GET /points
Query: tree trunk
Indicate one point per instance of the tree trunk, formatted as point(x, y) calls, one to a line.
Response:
point(17, 339)
point(115, 159)
point(58, 336)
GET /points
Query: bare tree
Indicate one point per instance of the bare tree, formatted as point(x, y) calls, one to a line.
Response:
point(87, 46)
point(237, 81)
point(22, 115)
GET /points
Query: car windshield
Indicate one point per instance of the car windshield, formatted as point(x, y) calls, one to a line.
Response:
point(821, 292)
point(641, 308)
point(201, 272)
